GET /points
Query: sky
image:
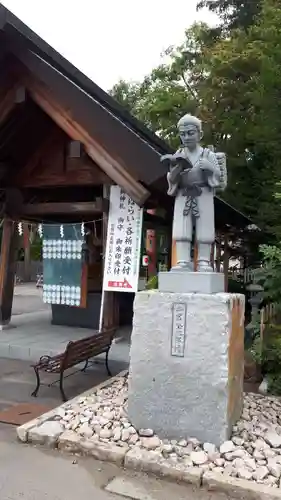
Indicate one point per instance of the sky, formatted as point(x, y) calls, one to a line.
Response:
point(108, 39)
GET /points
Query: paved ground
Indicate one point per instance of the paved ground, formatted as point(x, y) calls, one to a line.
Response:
point(31, 335)
point(30, 473)
point(27, 299)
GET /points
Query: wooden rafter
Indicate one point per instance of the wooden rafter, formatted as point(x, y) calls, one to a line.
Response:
point(62, 208)
point(33, 162)
point(7, 103)
point(62, 117)
point(78, 172)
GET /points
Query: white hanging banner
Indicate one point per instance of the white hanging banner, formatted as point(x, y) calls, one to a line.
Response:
point(123, 244)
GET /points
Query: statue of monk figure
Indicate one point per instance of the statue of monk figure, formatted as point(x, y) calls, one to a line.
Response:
point(195, 173)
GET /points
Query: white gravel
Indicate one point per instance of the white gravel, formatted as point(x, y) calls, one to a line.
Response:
point(253, 453)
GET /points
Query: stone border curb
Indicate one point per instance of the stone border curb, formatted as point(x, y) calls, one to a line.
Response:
point(140, 459)
point(23, 430)
point(239, 488)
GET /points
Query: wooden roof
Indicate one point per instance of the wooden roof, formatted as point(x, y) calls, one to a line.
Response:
point(122, 147)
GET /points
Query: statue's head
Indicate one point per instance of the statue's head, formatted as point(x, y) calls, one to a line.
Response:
point(190, 131)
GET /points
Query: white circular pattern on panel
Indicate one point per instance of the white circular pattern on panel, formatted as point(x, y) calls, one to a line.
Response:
point(62, 249)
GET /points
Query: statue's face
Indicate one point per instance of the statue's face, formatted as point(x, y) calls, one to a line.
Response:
point(190, 135)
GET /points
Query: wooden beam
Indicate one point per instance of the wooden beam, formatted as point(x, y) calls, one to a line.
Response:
point(81, 208)
point(78, 172)
point(75, 149)
point(28, 169)
point(7, 270)
point(111, 166)
point(13, 202)
point(7, 103)
point(20, 96)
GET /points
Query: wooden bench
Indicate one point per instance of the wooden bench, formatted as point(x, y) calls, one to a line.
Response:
point(75, 353)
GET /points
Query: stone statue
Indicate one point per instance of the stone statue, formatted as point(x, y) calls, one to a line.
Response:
point(195, 174)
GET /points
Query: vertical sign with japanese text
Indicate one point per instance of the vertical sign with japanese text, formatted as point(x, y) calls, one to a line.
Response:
point(178, 330)
point(123, 245)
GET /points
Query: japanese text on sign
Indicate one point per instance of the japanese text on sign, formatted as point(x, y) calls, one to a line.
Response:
point(178, 330)
point(122, 260)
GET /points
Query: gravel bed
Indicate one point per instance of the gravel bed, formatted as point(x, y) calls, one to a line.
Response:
point(253, 453)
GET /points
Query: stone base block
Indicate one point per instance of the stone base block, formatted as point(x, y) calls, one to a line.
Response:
point(186, 364)
point(188, 282)
point(6, 325)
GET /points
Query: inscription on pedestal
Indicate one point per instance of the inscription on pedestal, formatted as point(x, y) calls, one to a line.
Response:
point(178, 329)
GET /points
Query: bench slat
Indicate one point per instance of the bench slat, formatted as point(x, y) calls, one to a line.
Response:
point(91, 347)
point(76, 352)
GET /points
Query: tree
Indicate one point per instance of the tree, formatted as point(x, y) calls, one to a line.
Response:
point(234, 13)
point(233, 83)
point(126, 94)
point(171, 89)
point(241, 91)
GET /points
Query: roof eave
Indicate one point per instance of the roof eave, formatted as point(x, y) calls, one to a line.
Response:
point(43, 49)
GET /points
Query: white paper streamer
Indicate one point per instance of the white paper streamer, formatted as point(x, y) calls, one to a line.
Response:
point(20, 228)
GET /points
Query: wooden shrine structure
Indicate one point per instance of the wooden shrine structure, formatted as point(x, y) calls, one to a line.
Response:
point(63, 142)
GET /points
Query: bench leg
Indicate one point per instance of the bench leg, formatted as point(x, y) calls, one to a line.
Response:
point(86, 366)
point(64, 398)
point(38, 383)
point(106, 363)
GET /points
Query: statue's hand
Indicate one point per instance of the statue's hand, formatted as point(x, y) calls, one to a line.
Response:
point(205, 162)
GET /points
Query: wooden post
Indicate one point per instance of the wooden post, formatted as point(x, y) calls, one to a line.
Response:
point(218, 255)
point(151, 248)
point(103, 323)
point(225, 263)
point(195, 256)
point(7, 270)
point(174, 254)
point(110, 300)
point(27, 253)
point(212, 259)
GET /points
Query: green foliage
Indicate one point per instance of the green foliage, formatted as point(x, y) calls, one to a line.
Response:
point(36, 248)
point(239, 94)
point(233, 13)
point(170, 90)
point(231, 78)
point(266, 351)
point(152, 283)
point(268, 356)
point(269, 275)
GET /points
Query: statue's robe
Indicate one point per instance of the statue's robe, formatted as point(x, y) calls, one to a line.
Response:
point(194, 204)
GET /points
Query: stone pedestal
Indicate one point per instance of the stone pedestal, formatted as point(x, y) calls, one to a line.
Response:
point(186, 364)
point(186, 282)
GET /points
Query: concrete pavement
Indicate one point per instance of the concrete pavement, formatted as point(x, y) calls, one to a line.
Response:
point(33, 473)
point(31, 335)
point(28, 473)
